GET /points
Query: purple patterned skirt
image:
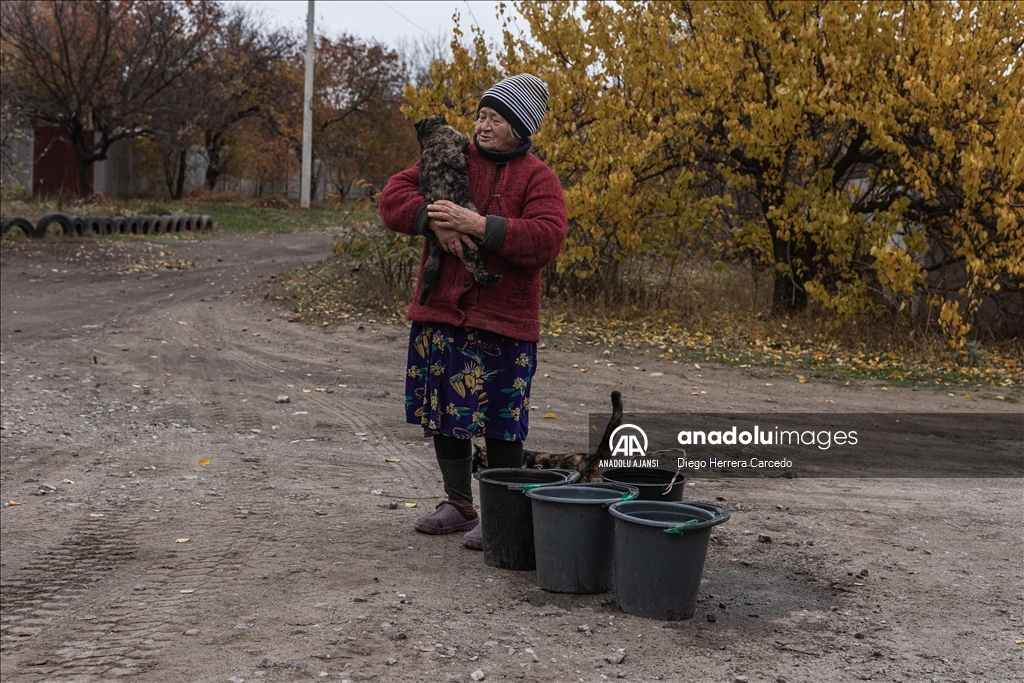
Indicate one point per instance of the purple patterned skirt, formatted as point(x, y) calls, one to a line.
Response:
point(467, 383)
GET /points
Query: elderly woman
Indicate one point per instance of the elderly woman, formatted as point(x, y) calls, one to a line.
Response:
point(472, 347)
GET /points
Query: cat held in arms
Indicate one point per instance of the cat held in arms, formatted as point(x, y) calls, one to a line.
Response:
point(443, 175)
point(587, 464)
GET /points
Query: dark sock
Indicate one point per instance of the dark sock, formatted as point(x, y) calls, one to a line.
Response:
point(448, 448)
point(504, 453)
point(455, 458)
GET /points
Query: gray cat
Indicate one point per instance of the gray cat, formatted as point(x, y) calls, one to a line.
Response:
point(443, 175)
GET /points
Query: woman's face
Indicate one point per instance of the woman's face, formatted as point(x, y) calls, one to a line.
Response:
point(493, 132)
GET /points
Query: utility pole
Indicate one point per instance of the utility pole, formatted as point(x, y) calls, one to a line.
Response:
point(307, 115)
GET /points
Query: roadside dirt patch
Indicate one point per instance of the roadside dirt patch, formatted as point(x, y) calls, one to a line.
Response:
point(280, 561)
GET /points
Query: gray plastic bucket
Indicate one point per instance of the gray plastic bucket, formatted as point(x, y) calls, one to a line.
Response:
point(652, 481)
point(506, 514)
point(573, 535)
point(660, 548)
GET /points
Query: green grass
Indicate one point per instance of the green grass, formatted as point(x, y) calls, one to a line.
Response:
point(233, 216)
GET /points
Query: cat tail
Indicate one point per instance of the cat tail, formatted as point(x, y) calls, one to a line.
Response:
point(604, 449)
point(431, 269)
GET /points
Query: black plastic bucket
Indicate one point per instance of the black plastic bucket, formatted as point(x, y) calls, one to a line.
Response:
point(571, 476)
point(573, 535)
point(652, 481)
point(507, 515)
point(660, 548)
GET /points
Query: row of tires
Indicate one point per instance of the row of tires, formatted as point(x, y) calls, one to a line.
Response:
point(71, 226)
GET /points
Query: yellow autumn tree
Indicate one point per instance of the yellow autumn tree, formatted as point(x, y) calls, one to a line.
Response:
point(868, 153)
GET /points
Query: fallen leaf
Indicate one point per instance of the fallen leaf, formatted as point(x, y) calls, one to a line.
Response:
point(857, 584)
point(392, 460)
point(359, 433)
point(187, 591)
point(307, 391)
point(801, 379)
point(427, 648)
point(68, 481)
point(412, 505)
point(204, 461)
point(320, 512)
point(181, 540)
point(95, 514)
point(696, 366)
point(549, 416)
point(319, 389)
point(768, 384)
point(13, 503)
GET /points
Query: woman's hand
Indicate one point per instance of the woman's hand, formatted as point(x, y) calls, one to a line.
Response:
point(452, 241)
point(451, 216)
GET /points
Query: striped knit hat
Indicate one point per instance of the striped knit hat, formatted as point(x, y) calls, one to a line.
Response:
point(521, 100)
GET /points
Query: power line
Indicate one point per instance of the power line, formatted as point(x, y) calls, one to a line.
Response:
point(471, 15)
point(388, 5)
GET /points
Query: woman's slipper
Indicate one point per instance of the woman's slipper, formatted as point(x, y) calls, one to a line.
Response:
point(446, 519)
point(474, 540)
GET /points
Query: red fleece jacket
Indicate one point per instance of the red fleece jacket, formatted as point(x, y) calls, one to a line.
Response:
point(528, 195)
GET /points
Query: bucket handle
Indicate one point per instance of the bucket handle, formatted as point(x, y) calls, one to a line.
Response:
point(680, 529)
point(675, 476)
point(626, 496)
point(523, 487)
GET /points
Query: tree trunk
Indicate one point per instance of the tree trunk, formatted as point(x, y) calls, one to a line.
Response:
point(797, 267)
point(179, 185)
point(213, 169)
point(84, 180)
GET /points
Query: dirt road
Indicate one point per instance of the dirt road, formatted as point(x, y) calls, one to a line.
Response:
point(127, 365)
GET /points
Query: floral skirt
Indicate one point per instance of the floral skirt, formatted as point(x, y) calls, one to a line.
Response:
point(466, 383)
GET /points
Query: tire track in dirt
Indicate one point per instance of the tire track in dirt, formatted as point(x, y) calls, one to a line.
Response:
point(58, 592)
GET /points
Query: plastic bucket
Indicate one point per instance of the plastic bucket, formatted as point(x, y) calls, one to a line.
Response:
point(571, 476)
point(660, 548)
point(507, 515)
point(651, 481)
point(573, 535)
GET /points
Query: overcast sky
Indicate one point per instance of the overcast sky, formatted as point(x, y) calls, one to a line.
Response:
point(387, 21)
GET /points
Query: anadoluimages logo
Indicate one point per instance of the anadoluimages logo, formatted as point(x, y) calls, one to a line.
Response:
point(628, 442)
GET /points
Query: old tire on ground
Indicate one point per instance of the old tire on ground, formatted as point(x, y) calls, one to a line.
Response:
point(91, 225)
point(77, 226)
point(119, 225)
point(43, 226)
point(207, 223)
point(132, 225)
point(159, 225)
point(22, 224)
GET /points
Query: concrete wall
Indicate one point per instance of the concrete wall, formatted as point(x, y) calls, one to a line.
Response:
point(16, 171)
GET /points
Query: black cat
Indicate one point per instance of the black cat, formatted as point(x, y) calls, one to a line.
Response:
point(443, 176)
point(587, 464)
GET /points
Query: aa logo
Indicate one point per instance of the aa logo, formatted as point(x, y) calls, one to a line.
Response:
point(626, 441)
